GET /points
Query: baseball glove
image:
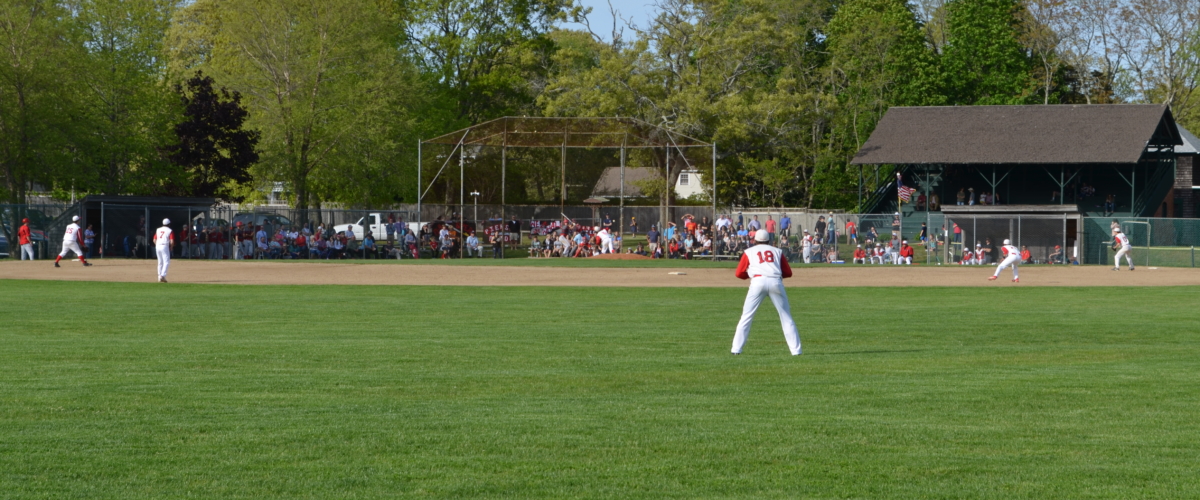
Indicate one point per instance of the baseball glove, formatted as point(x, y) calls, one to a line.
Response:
point(1116, 246)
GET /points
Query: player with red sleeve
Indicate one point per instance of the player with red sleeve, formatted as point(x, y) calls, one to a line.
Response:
point(860, 255)
point(1012, 257)
point(766, 267)
point(906, 253)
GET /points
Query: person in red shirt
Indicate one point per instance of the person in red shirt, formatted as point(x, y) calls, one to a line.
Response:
point(766, 267)
point(860, 255)
point(1026, 257)
point(906, 253)
point(23, 236)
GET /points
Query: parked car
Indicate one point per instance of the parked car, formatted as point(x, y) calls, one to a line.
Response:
point(269, 222)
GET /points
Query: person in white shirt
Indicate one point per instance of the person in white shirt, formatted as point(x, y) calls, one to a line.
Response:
point(806, 243)
point(1122, 239)
point(1012, 256)
point(71, 238)
point(766, 267)
point(164, 239)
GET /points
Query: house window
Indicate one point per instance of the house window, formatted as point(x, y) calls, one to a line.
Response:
point(683, 179)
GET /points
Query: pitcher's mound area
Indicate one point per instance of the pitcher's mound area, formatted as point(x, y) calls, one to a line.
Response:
point(328, 273)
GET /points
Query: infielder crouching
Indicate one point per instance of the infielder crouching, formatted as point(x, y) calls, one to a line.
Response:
point(765, 267)
point(1123, 240)
point(1012, 256)
point(164, 240)
point(71, 238)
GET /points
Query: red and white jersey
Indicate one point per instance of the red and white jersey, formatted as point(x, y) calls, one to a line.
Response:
point(763, 261)
point(1123, 239)
point(163, 237)
point(879, 251)
point(807, 240)
point(1009, 251)
point(72, 232)
point(980, 255)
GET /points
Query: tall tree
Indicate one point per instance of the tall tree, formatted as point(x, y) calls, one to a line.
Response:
point(320, 77)
point(484, 53)
point(984, 60)
point(213, 146)
point(35, 43)
point(128, 107)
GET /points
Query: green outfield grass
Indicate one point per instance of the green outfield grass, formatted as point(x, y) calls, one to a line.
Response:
point(121, 390)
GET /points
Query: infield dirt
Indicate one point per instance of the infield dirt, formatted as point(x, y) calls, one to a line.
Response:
point(327, 273)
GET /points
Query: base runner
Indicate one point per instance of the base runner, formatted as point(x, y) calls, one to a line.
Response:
point(1122, 241)
point(1012, 257)
point(71, 238)
point(164, 240)
point(765, 267)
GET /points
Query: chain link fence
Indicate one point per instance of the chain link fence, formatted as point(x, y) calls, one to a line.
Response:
point(231, 232)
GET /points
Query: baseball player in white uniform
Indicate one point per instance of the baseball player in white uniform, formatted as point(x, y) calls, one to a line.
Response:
point(1012, 256)
point(71, 237)
point(765, 267)
point(806, 244)
point(164, 240)
point(606, 241)
point(1126, 246)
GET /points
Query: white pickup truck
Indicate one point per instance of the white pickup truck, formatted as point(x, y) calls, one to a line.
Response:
point(373, 222)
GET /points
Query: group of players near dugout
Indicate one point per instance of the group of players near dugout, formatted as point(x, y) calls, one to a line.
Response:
point(764, 265)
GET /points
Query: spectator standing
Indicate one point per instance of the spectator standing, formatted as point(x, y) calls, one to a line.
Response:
point(514, 231)
point(851, 232)
point(820, 229)
point(652, 239)
point(633, 226)
point(497, 246)
point(957, 233)
point(24, 238)
point(770, 227)
point(754, 225)
point(806, 244)
point(924, 235)
point(961, 197)
point(785, 228)
point(89, 241)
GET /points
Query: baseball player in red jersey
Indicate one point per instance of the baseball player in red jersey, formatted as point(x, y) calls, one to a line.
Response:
point(765, 267)
point(1012, 257)
point(71, 238)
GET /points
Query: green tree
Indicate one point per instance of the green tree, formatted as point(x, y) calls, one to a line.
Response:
point(35, 98)
point(984, 60)
point(326, 82)
point(212, 145)
point(127, 108)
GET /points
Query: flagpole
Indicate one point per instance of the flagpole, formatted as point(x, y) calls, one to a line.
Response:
point(899, 207)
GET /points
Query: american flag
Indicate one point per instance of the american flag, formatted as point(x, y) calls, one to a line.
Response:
point(905, 192)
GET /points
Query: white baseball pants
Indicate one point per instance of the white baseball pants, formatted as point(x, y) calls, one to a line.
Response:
point(27, 251)
point(1011, 260)
point(906, 260)
point(760, 287)
point(1123, 251)
point(608, 247)
point(71, 246)
point(164, 260)
point(807, 256)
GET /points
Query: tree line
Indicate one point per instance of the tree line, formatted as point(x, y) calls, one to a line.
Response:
point(329, 98)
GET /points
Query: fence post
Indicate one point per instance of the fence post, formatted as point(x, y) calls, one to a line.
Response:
point(1193, 255)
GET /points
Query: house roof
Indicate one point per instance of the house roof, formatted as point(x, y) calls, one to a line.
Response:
point(1191, 144)
point(1055, 134)
point(609, 184)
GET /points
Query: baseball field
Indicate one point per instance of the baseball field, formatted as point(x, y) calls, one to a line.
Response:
point(112, 389)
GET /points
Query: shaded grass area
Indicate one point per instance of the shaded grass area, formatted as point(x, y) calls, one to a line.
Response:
point(125, 390)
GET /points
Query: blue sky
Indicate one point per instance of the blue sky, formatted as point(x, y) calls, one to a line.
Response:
point(638, 11)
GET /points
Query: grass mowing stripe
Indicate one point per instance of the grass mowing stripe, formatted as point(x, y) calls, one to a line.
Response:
point(129, 390)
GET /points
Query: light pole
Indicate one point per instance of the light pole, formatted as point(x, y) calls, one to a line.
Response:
point(475, 195)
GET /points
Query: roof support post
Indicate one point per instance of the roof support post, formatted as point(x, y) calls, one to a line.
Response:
point(419, 195)
point(462, 193)
point(1061, 182)
point(621, 211)
point(1131, 180)
point(503, 188)
point(713, 221)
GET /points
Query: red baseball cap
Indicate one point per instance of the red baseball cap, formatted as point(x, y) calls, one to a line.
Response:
point(25, 220)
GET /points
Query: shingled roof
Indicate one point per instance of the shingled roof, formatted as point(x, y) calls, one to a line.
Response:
point(1056, 134)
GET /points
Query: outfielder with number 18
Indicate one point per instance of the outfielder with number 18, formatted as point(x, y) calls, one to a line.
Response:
point(765, 267)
